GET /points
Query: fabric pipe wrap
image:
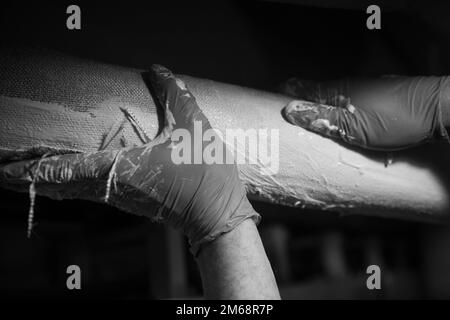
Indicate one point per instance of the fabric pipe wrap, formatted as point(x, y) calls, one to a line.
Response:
point(56, 104)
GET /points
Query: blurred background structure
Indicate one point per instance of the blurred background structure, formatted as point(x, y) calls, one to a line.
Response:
point(256, 44)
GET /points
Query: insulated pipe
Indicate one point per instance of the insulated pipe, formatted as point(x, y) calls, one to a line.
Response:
point(51, 103)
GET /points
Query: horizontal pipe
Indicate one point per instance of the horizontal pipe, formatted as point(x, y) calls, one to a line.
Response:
point(54, 103)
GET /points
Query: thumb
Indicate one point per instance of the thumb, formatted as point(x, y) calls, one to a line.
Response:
point(347, 124)
point(179, 104)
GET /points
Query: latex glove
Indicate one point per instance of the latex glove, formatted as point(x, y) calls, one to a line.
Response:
point(204, 200)
point(388, 113)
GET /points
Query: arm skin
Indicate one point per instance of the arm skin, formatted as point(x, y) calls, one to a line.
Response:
point(235, 266)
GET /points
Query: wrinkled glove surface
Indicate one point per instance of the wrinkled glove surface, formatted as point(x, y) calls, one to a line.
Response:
point(389, 113)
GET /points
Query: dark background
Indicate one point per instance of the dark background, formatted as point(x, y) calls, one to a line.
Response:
point(257, 44)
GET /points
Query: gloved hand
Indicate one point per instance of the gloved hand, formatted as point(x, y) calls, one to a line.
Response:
point(205, 200)
point(389, 113)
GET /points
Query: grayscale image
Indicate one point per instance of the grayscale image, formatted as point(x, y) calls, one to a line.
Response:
point(225, 150)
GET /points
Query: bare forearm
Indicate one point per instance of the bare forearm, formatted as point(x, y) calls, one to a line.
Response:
point(235, 266)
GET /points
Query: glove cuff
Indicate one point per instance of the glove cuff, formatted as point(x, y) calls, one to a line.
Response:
point(227, 223)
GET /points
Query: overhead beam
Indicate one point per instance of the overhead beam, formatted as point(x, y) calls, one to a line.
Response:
point(54, 102)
